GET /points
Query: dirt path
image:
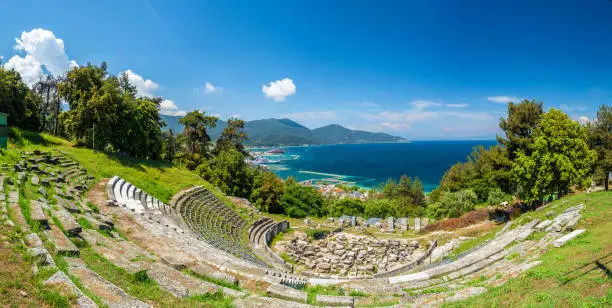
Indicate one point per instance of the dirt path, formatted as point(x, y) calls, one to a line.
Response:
point(97, 194)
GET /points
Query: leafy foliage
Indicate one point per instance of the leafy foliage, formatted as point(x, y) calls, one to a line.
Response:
point(453, 204)
point(229, 172)
point(559, 158)
point(267, 191)
point(599, 134)
point(523, 119)
point(300, 201)
point(346, 206)
point(106, 114)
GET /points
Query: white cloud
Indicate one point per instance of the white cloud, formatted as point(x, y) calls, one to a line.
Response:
point(41, 49)
point(279, 90)
point(168, 107)
point(28, 67)
point(209, 88)
point(311, 115)
point(503, 99)
point(456, 105)
point(235, 116)
point(395, 126)
point(583, 120)
point(371, 105)
point(144, 87)
point(423, 104)
point(570, 109)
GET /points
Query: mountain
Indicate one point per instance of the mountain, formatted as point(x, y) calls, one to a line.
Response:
point(274, 132)
point(334, 133)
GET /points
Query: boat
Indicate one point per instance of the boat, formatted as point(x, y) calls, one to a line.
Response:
point(262, 160)
point(276, 151)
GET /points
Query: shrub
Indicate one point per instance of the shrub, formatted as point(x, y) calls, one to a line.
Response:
point(301, 201)
point(316, 234)
point(468, 219)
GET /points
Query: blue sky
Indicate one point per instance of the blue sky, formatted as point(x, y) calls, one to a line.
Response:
point(419, 69)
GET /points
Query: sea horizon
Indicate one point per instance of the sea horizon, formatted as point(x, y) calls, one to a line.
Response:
point(368, 164)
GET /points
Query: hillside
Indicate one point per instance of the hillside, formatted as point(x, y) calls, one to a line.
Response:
point(528, 271)
point(334, 133)
point(273, 132)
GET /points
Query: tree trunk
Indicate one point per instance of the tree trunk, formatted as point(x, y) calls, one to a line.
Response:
point(57, 107)
point(44, 114)
point(606, 180)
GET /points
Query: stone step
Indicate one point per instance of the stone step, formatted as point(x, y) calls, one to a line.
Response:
point(109, 293)
point(63, 281)
point(255, 301)
point(331, 300)
point(18, 216)
point(63, 245)
point(13, 196)
point(169, 279)
point(96, 224)
point(562, 241)
point(37, 213)
point(69, 223)
point(283, 292)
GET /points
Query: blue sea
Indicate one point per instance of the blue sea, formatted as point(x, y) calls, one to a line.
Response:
point(367, 165)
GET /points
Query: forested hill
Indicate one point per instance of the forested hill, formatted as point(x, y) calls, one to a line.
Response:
point(272, 132)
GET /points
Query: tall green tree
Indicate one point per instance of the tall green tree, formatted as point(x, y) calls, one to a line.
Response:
point(170, 145)
point(13, 92)
point(196, 128)
point(106, 114)
point(558, 158)
point(48, 88)
point(267, 190)
point(228, 171)
point(600, 139)
point(301, 201)
point(232, 136)
point(523, 118)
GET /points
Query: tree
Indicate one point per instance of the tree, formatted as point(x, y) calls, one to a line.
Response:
point(196, 125)
point(13, 93)
point(170, 145)
point(523, 119)
point(105, 113)
point(301, 201)
point(558, 158)
point(267, 191)
point(380, 208)
point(600, 139)
point(453, 204)
point(229, 172)
point(47, 87)
point(232, 136)
point(346, 206)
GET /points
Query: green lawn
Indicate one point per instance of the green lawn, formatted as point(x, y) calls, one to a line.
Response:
point(158, 178)
point(575, 275)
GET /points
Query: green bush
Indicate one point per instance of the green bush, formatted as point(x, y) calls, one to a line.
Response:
point(316, 234)
point(301, 201)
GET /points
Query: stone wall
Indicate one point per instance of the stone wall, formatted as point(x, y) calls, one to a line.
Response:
point(349, 255)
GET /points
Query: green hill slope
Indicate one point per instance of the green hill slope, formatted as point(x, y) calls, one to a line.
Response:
point(334, 133)
point(578, 274)
point(273, 132)
point(158, 178)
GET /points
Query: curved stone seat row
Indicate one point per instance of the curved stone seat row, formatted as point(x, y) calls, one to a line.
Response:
point(133, 198)
point(261, 234)
point(213, 222)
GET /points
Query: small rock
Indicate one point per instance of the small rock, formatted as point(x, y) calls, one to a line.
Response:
point(23, 293)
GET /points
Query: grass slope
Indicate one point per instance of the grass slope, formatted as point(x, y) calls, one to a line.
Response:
point(575, 275)
point(158, 178)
